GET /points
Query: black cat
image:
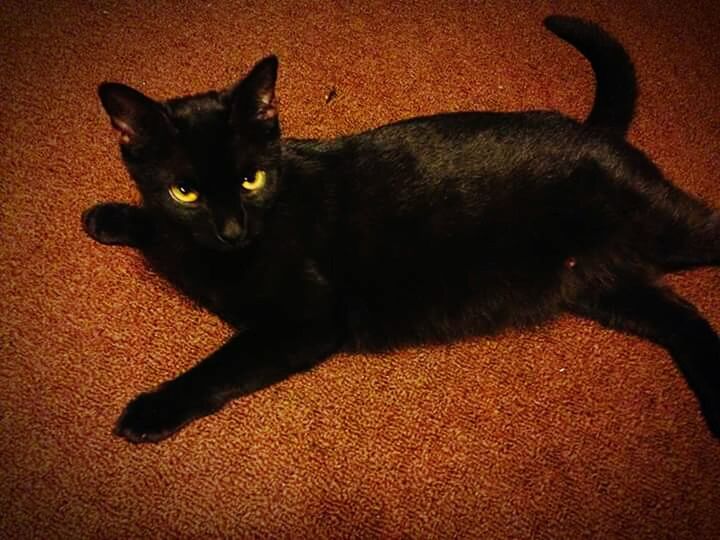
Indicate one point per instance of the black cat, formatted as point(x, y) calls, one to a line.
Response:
point(425, 230)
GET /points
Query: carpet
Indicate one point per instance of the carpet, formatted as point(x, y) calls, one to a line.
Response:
point(568, 430)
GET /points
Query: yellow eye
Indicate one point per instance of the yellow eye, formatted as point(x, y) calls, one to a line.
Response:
point(183, 194)
point(257, 183)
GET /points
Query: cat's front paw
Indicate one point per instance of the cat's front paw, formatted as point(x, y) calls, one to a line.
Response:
point(154, 416)
point(111, 223)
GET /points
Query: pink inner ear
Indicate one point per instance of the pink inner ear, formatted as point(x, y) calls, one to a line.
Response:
point(267, 109)
point(126, 132)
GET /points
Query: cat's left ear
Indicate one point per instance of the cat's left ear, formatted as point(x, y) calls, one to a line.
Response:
point(253, 98)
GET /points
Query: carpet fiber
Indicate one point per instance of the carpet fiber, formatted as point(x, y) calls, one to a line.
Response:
point(568, 430)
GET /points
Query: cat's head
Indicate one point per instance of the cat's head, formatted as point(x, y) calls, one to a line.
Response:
point(207, 164)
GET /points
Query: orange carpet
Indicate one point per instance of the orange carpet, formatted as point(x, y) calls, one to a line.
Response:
point(566, 431)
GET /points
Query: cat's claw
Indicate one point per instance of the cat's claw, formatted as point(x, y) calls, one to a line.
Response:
point(154, 416)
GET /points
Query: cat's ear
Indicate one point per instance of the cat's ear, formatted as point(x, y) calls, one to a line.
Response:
point(253, 98)
point(134, 115)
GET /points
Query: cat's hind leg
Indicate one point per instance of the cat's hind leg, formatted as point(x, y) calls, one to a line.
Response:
point(661, 316)
point(117, 224)
point(690, 241)
point(684, 232)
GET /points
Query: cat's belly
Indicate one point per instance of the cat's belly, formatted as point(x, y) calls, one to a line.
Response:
point(450, 299)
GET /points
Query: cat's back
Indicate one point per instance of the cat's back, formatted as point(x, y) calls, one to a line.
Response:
point(470, 152)
point(474, 131)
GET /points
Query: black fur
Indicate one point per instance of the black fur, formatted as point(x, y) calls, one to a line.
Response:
point(425, 230)
point(614, 73)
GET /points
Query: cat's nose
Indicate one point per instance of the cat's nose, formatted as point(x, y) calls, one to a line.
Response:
point(231, 231)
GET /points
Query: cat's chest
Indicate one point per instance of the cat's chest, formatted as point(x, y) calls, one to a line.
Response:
point(215, 281)
point(235, 286)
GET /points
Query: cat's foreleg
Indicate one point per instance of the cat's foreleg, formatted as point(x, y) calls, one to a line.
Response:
point(661, 316)
point(117, 224)
point(251, 360)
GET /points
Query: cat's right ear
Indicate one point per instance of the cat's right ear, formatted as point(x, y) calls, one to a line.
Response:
point(135, 116)
point(253, 98)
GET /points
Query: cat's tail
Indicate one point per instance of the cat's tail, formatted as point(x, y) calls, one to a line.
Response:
point(616, 87)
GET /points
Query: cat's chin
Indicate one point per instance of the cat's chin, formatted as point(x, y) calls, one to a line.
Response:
point(227, 247)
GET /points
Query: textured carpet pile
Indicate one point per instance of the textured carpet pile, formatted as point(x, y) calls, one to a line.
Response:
point(567, 431)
